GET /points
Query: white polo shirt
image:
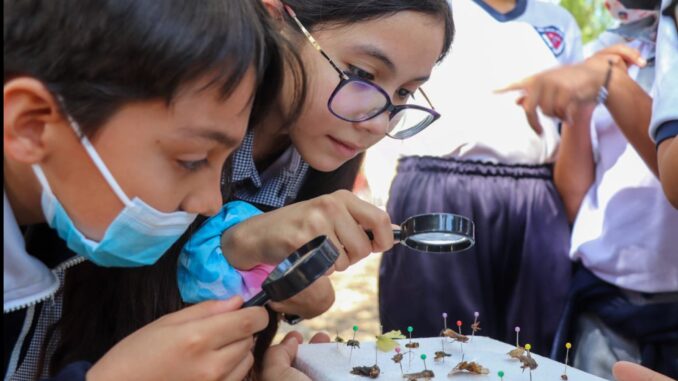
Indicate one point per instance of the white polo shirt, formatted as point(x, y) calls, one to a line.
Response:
point(626, 232)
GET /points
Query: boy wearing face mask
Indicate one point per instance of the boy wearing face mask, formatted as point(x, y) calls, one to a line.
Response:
point(92, 111)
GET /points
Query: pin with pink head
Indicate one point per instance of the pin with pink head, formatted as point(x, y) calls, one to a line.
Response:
point(397, 349)
point(517, 336)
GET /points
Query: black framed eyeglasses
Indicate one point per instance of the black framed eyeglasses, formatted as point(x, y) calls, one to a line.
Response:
point(357, 99)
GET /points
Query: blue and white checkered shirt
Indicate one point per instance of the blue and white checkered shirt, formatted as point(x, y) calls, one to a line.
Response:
point(277, 186)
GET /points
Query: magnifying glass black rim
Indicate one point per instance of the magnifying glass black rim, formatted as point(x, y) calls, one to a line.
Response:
point(439, 223)
point(314, 266)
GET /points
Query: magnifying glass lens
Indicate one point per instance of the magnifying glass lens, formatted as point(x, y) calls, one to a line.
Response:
point(437, 238)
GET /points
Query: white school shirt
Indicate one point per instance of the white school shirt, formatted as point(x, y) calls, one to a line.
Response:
point(626, 232)
point(490, 51)
point(26, 279)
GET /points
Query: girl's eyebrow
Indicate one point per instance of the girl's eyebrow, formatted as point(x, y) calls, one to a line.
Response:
point(375, 52)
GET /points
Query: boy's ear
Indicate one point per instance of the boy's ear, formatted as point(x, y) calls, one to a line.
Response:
point(274, 8)
point(29, 108)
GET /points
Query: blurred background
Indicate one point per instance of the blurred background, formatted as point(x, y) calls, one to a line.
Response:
point(356, 289)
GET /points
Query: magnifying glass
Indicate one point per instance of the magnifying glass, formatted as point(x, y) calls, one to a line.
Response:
point(297, 271)
point(435, 233)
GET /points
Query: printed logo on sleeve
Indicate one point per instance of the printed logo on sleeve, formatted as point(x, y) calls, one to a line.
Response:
point(553, 37)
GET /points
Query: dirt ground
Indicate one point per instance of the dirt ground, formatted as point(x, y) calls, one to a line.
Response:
point(356, 304)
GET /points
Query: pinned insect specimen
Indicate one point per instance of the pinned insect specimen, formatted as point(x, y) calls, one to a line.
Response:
point(527, 361)
point(475, 327)
point(469, 367)
point(353, 343)
point(455, 336)
point(410, 345)
point(398, 358)
point(424, 374)
point(366, 371)
point(516, 353)
point(440, 355)
point(386, 343)
point(568, 346)
point(338, 339)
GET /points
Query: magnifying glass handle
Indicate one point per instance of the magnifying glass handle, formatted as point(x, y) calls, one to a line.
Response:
point(397, 235)
point(257, 300)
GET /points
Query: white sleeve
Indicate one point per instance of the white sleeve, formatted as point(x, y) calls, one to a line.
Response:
point(665, 104)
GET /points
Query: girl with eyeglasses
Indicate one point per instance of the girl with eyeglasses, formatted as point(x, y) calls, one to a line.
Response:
point(366, 63)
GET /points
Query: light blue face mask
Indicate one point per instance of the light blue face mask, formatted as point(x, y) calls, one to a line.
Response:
point(138, 236)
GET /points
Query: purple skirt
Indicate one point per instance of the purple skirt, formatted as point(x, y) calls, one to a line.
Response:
point(517, 274)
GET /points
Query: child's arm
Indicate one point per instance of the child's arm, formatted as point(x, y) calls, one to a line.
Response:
point(668, 168)
point(205, 273)
point(574, 170)
point(207, 270)
point(629, 105)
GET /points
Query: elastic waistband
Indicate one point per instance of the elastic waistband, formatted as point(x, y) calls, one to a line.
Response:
point(473, 168)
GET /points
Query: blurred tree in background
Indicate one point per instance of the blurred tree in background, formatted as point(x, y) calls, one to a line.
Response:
point(591, 16)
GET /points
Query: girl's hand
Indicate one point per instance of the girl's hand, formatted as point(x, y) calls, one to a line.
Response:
point(309, 303)
point(278, 359)
point(628, 371)
point(342, 216)
point(208, 341)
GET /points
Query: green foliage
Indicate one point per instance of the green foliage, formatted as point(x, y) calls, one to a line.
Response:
point(591, 16)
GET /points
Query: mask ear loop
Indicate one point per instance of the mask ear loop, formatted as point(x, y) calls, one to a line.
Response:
point(42, 179)
point(98, 162)
point(94, 155)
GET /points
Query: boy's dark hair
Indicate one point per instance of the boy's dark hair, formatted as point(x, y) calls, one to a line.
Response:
point(98, 55)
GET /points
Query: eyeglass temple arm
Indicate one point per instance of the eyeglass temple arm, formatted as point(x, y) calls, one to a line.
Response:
point(426, 97)
point(312, 40)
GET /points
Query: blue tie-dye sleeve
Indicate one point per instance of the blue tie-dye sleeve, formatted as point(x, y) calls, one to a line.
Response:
point(203, 272)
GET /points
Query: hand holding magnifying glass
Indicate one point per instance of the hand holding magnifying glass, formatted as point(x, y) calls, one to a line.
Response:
point(433, 233)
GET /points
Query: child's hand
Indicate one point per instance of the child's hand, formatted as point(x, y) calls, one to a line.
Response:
point(628, 371)
point(309, 303)
point(564, 92)
point(278, 359)
point(342, 216)
point(207, 341)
